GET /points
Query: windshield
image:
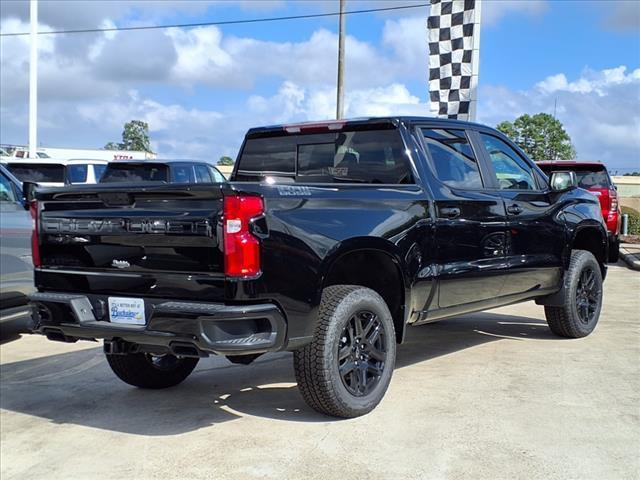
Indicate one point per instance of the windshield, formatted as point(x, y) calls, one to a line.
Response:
point(128, 172)
point(361, 156)
point(37, 172)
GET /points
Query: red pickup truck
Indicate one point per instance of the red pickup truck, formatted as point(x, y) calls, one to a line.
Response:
point(594, 177)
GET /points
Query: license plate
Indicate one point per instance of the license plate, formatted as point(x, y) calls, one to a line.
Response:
point(126, 310)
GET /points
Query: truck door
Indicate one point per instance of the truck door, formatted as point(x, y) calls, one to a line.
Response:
point(536, 234)
point(470, 230)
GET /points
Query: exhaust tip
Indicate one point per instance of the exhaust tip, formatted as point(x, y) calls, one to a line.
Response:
point(183, 349)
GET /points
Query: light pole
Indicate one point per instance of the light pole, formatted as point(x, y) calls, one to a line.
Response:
point(33, 82)
point(341, 33)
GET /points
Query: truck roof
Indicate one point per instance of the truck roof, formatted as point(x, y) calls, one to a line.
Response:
point(337, 125)
point(569, 163)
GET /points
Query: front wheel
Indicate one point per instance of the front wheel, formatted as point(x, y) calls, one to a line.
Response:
point(346, 369)
point(146, 370)
point(579, 314)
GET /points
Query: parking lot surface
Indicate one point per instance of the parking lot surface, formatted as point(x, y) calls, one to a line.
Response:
point(489, 395)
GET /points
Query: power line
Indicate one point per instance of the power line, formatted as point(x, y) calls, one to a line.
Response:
point(223, 22)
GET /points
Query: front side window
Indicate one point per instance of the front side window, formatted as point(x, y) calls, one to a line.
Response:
point(452, 157)
point(217, 176)
point(6, 190)
point(202, 174)
point(512, 172)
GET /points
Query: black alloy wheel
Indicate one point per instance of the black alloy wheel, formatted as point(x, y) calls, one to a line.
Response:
point(361, 353)
point(587, 295)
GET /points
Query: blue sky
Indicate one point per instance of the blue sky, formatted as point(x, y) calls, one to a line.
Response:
point(201, 88)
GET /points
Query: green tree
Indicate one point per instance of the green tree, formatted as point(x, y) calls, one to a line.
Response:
point(135, 136)
point(541, 136)
point(224, 160)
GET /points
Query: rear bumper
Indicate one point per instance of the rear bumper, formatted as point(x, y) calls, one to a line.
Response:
point(183, 328)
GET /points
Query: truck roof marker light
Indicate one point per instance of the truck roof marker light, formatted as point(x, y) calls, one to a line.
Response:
point(315, 127)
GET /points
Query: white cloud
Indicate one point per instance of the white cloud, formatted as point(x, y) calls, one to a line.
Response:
point(600, 111)
point(591, 81)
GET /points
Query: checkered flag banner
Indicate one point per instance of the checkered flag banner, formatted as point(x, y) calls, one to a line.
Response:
point(454, 41)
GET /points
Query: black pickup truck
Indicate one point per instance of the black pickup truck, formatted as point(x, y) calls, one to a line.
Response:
point(329, 240)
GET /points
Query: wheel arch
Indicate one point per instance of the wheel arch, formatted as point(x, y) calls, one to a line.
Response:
point(373, 263)
point(591, 237)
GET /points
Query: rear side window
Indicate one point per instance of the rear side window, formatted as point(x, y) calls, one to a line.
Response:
point(98, 171)
point(512, 172)
point(151, 172)
point(37, 172)
point(183, 174)
point(452, 157)
point(361, 156)
point(77, 173)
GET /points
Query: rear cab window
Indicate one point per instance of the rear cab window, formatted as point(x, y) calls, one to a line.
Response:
point(347, 156)
point(38, 172)
point(135, 172)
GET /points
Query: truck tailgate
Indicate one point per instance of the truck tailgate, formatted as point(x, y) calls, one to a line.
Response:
point(163, 235)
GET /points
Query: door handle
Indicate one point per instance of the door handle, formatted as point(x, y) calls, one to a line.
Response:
point(449, 212)
point(514, 209)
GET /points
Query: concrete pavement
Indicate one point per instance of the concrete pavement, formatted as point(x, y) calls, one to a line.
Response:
point(491, 395)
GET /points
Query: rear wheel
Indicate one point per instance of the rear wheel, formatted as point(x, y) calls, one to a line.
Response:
point(346, 369)
point(146, 370)
point(579, 314)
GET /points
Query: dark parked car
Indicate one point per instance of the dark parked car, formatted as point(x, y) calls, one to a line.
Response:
point(167, 171)
point(16, 269)
point(594, 177)
point(330, 240)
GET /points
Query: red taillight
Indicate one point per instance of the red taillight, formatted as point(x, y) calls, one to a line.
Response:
point(613, 199)
point(35, 244)
point(241, 247)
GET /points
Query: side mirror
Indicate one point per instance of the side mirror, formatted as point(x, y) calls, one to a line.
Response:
point(563, 181)
point(28, 193)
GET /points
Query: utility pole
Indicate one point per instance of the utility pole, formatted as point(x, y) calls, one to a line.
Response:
point(341, 33)
point(33, 82)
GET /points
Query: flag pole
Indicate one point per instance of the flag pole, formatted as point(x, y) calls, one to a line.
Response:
point(341, 33)
point(33, 81)
point(475, 61)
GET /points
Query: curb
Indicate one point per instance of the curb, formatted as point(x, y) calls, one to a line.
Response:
point(629, 258)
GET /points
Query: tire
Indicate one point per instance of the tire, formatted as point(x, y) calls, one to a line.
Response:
point(151, 371)
point(351, 319)
point(579, 314)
